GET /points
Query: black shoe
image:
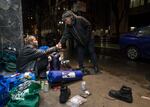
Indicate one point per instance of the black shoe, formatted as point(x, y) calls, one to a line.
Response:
point(65, 93)
point(42, 75)
point(124, 94)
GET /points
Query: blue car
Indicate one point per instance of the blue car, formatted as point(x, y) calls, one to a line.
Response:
point(136, 43)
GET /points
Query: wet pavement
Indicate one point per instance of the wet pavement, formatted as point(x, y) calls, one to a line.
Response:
point(117, 71)
point(116, 63)
point(99, 85)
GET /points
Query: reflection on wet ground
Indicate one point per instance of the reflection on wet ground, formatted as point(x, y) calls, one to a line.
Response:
point(116, 63)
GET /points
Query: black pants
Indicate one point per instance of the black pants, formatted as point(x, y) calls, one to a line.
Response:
point(91, 50)
point(42, 64)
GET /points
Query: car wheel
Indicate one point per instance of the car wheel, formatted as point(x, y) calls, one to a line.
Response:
point(132, 53)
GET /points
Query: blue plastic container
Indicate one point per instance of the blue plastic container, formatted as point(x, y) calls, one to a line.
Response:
point(4, 94)
point(43, 48)
point(14, 80)
point(65, 76)
point(18, 78)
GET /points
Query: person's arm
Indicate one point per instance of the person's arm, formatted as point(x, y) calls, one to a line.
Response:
point(38, 53)
point(65, 36)
point(50, 50)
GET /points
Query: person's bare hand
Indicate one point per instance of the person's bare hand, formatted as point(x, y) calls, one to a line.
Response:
point(59, 45)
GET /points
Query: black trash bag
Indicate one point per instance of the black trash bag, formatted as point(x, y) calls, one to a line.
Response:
point(55, 62)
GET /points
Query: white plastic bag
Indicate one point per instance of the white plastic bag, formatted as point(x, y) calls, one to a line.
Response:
point(76, 101)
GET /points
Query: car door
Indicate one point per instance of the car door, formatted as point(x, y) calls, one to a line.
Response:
point(144, 41)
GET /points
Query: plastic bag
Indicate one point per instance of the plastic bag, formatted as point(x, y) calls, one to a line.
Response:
point(25, 95)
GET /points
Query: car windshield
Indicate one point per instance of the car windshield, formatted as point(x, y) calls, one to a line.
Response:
point(143, 30)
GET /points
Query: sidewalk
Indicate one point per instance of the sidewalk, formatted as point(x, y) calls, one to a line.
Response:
point(99, 85)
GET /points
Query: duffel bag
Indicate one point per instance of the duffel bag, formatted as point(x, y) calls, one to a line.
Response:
point(64, 76)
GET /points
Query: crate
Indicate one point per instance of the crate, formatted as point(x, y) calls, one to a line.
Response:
point(4, 94)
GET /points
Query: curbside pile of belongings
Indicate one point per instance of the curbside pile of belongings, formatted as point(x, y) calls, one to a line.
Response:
point(18, 89)
point(57, 76)
point(22, 89)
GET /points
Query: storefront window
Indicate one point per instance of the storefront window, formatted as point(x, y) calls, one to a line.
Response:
point(136, 3)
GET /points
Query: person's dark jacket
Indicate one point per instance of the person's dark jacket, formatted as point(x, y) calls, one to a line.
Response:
point(80, 31)
point(28, 57)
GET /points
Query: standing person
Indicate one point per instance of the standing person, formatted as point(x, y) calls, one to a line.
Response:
point(79, 28)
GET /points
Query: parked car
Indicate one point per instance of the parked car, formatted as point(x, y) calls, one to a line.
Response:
point(136, 43)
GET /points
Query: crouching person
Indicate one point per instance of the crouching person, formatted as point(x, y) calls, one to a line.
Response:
point(30, 56)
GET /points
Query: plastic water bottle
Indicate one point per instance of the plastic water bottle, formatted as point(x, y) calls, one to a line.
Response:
point(83, 86)
point(46, 86)
point(42, 85)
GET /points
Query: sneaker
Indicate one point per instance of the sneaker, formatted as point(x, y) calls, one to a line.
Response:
point(124, 94)
point(65, 93)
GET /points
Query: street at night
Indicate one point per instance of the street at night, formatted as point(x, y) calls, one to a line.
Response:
point(74, 53)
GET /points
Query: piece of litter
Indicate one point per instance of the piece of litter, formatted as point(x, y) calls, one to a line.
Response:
point(144, 97)
point(76, 100)
point(85, 94)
